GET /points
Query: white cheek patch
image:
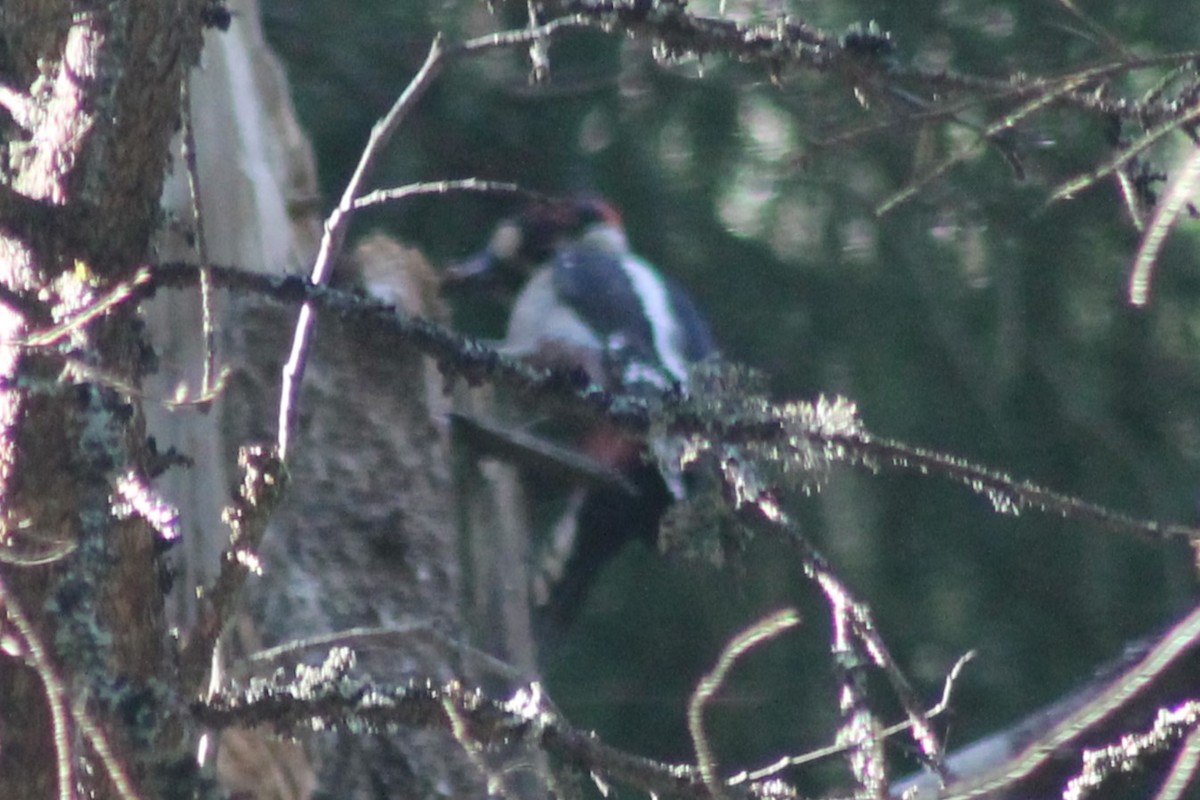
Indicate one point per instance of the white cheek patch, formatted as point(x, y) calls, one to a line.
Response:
point(506, 242)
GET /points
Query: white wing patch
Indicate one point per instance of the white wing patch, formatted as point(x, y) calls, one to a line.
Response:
point(651, 291)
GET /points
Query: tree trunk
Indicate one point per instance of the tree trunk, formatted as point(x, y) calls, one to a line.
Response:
point(92, 94)
point(366, 535)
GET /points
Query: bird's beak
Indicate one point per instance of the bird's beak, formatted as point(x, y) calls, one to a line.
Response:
point(479, 270)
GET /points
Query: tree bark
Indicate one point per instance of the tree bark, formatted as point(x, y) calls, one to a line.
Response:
point(366, 535)
point(92, 94)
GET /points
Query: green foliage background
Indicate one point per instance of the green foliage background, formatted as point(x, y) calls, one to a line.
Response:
point(972, 319)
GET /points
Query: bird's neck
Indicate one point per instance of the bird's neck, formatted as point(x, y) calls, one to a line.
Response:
point(605, 237)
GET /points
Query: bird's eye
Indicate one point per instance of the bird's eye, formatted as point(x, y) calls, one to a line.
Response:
point(506, 242)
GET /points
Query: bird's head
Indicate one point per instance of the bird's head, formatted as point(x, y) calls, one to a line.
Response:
point(522, 243)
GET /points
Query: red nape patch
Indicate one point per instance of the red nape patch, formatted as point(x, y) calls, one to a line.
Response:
point(609, 446)
point(592, 209)
point(609, 213)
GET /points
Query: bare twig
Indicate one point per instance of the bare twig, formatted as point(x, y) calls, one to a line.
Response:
point(1165, 213)
point(1132, 199)
point(78, 371)
point(1180, 639)
point(1018, 86)
point(763, 773)
point(56, 693)
point(1097, 29)
point(764, 630)
point(794, 43)
point(1005, 123)
point(860, 730)
point(789, 42)
point(1069, 188)
point(363, 637)
point(380, 196)
point(779, 424)
point(57, 696)
point(1183, 771)
point(109, 300)
point(345, 702)
point(335, 234)
point(94, 734)
point(497, 786)
point(262, 483)
point(48, 549)
point(539, 49)
point(1130, 752)
point(853, 623)
point(521, 36)
point(339, 219)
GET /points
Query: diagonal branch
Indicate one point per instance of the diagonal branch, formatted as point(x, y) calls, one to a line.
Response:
point(797, 430)
point(1170, 648)
point(338, 222)
point(339, 701)
point(335, 235)
point(58, 696)
point(855, 630)
point(760, 632)
point(1165, 213)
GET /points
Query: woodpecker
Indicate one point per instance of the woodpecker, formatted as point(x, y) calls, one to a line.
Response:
point(586, 301)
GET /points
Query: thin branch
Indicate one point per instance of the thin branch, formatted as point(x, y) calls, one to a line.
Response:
point(51, 549)
point(1097, 29)
point(1017, 86)
point(1156, 92)
point(109, 300)
point(1006, 122)
point(335, 234)
point(263, 477)
point(852, 618)
point(1131, 750)
point(791, 42)
point(56, 693)
point(521, 36)
point(1069, 188)
point(1132, 198)
point(762, 631)
point(859, 729)
point(380, 196)
point(1007, 495)
point(339, 701)
point(75, 370)
point(497, 786)
point(338, 222)
point(769, 771)
point(95, 736)
point(57, 696)
point(795, 427)
point(389, 636)
point(1183, 771)
point(1175, 643)
point(539, 49)
point(1165, 213)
